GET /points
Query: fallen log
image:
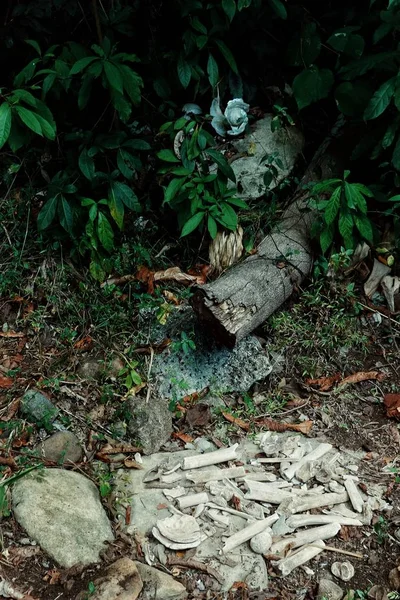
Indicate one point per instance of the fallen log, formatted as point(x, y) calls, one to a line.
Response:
point(246, 295)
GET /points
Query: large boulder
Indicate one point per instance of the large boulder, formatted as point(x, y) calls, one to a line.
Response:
point(62, 512)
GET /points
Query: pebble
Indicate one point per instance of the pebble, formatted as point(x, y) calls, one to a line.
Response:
point(261, 542)
point(62, 447)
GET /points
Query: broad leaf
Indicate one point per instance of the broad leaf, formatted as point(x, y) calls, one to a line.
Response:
point(124, 162)
point(364, 226)
point(312, 85)
point(105, 232)
point(326, 238)
point(137, 145)
point(116, 207)
point(212, 226)
point(305, 47)
point(34, 45)
point(29, 119)
point(65, 213)
point(114, 76)
point(192, 223)
point(86, 164)
point(228, 217)
point(345, 224)
point(380, 100)
point(362, 65)
point(279, 8)
point(229, 7)
point(184, 71)
point(81, 64)
point(48, 130)
point(212, 70)
point(5, 123)
point(227, 54)
point(333, 205)
point(47, 213)
point(132, 83)
point(167, 155)
point(126, 195)
point(222, 163)
point(173, 188)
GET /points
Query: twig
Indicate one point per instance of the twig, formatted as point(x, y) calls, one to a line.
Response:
point(92, 425)
point(378, 312)
point(339, 551)
point(97, 20)
point(190, 563)
point(148, 375)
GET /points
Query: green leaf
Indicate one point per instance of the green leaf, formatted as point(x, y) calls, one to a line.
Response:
point(344, 40)
point(126, 195)
point(34, 45)
point(198, 26)
point(228, 217)
point(326, 238)
point(18, 136)
point(345, 224)
point(279, 8)
point(29, 119)
point(396, 155)
point(222, 163)
point(212, 70)
point(362, 65)
point(173, 188)
point(332, 208)
point(380, 100)
point(312, 85)
point(229, 8)
point(137, 144)
point(114, 76)
point(227, 54)
point(237, 202)
point(305, 47)
point(212, 226)
point(124, 162)
point(167, 155)
point(48, 130)
point(184, 71)
point(132, 83)
point(192, 223)
point(116, 207)
point(243, 4)
point(352, 97)
point(364, 226)
point(65, 213)
point(47, 213)
point(105, 232)
point(5, 123)
point(81, 64)
point(84, 92)
point(48, 83)
point(86, 164)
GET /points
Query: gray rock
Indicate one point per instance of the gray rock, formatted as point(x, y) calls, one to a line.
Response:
point(121, 581)
point(151, 423)
point(328, 590)
point(37, 408)
point(158, 585)
point(61, 510)
point(250, 170)
point(92, 368)
point(62, 447)
point(176, 374)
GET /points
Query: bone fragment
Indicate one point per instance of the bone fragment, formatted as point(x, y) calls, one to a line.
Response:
point(192, 500)
point(315, 454)
point(354, 495)
point(244, 535)
point(305, 503)
point(297, 521)
point(216, 474)
point(210, 458)
point(231, 511)
point(306, 537)
point(266, 492)
point(288, 564)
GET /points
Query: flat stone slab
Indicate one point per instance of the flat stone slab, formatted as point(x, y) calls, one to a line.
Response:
point(62, 512)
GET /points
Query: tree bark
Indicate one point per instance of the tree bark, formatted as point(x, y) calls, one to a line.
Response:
point(245, 296)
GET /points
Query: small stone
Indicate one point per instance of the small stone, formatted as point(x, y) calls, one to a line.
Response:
point(38, 409)
point(62, 511)
point(328, 590)
point(159, 585)
point(378, 592)
point(121, 581)
point(62, 447)
point(343, 570)
point(151, 423)
point(93, 368)
point(394, 579)
point(261, 542)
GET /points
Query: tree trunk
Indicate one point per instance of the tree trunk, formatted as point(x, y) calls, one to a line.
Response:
point(246, 295)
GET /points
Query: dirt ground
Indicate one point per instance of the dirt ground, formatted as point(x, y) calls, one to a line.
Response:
point(33, 353)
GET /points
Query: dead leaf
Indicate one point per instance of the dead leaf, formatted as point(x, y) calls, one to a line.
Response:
point(363, 376)
point(18, 554)
point(184, 437)
point(119, 449)
point(239, 422)
point(8, 461)
point(6, 382)
point(171, 298)
point(324, 383)
point(200, 272)
point(198, 415)
point(129, 463)
point(155, 348)
point(12, 410)
point(128, 515)
point(191, 398)
point(84, 344)
point(11, 334)
point(392, 403)
point(52, 577)
point(162, 506)
point(236, 502)
point(272, 425)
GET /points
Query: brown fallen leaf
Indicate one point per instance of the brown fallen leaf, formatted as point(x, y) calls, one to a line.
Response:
point(198, 415)
point(191, 398)
point(84, 344)
point(119, 449)
point(129, 463)
point(18, 554)
point(184, 437)
point(324, 383)
point(52, 577)
point(12, 410)
point(392, 404)
point(144, 275)
point(236, 421)
point(128, 515)
point(6, 382)
point(363, 376)
point(11, 334)
point(304, 427)
point(8, 461)
point(171, 297)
